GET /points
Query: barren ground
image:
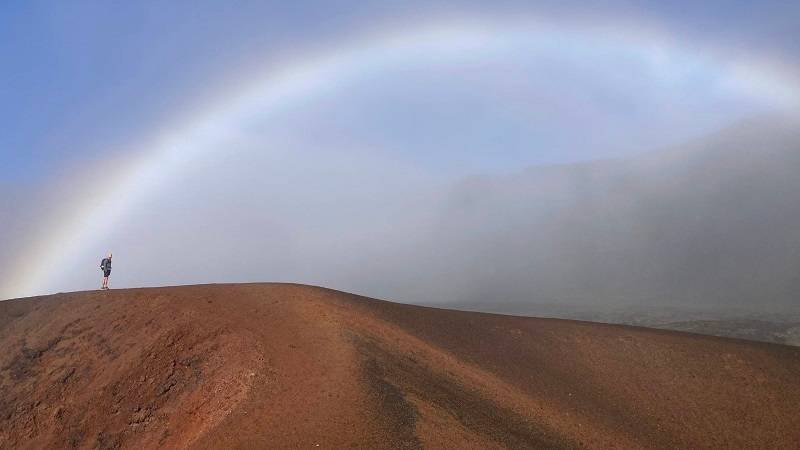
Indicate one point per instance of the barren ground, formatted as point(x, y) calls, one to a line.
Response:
point(278, 365)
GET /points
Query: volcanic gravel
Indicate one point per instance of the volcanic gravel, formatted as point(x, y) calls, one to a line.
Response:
point(293, 366)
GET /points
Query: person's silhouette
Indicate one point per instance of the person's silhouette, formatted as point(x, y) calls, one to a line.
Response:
point(105, 266)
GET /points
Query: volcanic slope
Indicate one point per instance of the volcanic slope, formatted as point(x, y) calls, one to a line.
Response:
point(292, 366)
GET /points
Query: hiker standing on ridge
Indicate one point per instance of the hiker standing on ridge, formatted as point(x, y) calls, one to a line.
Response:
point(105, 266)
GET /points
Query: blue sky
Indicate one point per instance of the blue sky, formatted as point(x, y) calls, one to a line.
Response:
point(335, 129)
point(80, 80)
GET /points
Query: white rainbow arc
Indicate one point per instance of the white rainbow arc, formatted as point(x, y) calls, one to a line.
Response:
point(303, 78)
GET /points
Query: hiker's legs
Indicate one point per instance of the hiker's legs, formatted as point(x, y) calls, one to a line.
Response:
point(105, 282)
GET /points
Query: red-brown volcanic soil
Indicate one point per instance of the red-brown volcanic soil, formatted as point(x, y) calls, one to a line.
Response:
point(290, 366)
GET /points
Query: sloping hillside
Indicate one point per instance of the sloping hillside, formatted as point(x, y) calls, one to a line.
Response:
point(276, 365)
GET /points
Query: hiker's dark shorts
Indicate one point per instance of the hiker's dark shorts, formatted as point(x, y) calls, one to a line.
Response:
point(106, 273)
